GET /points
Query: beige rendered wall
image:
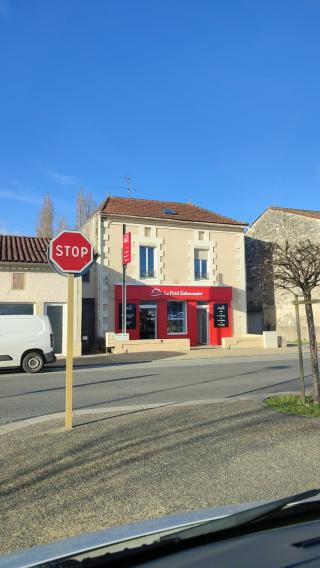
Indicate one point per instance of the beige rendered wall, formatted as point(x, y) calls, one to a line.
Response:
point(89, 289)
point(91, 230)
point(175, 244)
point(41, 287)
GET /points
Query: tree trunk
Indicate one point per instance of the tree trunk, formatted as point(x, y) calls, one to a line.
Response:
point(313, 349)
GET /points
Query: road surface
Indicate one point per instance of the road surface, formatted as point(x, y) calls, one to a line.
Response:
point(156, 382)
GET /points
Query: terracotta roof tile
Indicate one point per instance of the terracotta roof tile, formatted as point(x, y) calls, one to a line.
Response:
point(23, 249)
point(152, 209)
point(304, 212)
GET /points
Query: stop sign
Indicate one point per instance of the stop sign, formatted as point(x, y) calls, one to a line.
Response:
point(70, 252)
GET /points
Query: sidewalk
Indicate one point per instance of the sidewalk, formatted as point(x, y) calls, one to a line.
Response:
point(119, 467)
point(218, 352)
point(194, 353)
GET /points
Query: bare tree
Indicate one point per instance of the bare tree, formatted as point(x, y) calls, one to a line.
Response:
point(84, 208)
point(62, 225)
point(296, 267)
point(45, 218)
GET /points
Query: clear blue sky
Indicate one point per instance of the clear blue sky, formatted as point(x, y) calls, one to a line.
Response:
point(217, 102)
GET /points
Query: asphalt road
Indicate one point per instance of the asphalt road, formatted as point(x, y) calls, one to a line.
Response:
point(157, 382)
point(117, 468)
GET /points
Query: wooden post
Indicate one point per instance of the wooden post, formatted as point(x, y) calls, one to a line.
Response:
point(302, 385)
point(69, 362)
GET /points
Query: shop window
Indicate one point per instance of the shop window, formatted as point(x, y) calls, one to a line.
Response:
point(177, 317)
point(147, 262)
point(18, 281)
point(7, 309)
point(200, 264)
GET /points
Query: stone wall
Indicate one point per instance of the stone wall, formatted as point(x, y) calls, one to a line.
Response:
point(267, 306)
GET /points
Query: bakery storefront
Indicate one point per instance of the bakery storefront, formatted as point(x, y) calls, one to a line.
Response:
point(202, 313)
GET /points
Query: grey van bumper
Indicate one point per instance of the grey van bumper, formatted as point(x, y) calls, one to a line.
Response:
point(50, 357)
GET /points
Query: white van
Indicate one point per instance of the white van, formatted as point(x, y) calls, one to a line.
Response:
point(26, 341)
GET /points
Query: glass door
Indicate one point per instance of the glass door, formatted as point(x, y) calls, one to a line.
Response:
point(202, 316)
point(148, 322)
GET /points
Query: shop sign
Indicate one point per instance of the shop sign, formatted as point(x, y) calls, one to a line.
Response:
point(131, 316)
point(221, 315)
point(126, 248)
point(174, 293)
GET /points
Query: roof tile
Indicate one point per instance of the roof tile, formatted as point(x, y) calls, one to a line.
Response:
point(303, 212)
point(152, 209)
point(23, 249)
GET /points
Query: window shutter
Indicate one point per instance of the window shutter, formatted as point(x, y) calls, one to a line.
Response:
point(18, 281)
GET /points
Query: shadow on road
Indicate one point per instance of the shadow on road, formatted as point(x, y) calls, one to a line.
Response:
point(98, 362)
point(92, 383)
point(139, 410)
point(267, 387)
point(74, 455)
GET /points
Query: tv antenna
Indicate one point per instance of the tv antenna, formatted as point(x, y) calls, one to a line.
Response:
point(129, 187)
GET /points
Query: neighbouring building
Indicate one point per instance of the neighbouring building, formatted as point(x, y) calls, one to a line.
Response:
point(29, 286)
point(188, 268)
point(270, 308)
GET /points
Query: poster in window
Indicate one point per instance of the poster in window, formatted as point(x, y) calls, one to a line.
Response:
point(131, 316)
point(221, 318)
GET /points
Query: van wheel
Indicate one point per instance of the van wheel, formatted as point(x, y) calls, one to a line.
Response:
point(32, 362)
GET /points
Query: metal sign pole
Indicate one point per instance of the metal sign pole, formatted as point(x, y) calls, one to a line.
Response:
point(124, 294)
point(69, 362)
point(125, 300)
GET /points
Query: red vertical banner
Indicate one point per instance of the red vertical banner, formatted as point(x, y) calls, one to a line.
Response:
point(126, 254)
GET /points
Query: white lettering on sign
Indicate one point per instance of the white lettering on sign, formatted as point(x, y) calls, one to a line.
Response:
point(75, 251)
point(157, 292)
point(70, 252)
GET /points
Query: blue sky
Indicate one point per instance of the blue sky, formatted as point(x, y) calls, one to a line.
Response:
point(202, 100)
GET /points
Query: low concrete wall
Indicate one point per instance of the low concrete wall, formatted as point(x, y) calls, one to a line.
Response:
point(248, 340)
point(145, 345)
point(270, 340)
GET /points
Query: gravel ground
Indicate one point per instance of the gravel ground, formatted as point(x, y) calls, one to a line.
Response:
point(113, 469)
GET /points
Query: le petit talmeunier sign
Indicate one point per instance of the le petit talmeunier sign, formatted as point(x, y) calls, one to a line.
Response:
point(221, 315)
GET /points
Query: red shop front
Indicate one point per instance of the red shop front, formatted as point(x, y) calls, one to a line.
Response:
point(162, 312)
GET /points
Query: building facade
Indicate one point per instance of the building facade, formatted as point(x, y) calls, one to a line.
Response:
point(29, 286)
point(270, 308)
point(186, 277)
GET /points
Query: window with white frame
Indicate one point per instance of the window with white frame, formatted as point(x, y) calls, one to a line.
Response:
point(176, 317)
point(200, 264)
point(147, 262)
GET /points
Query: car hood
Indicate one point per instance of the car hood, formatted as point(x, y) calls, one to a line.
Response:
point(124, 536)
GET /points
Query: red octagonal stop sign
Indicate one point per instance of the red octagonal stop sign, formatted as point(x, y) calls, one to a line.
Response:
point(70, 252)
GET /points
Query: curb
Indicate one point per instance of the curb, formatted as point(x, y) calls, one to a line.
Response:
point(13, 426)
